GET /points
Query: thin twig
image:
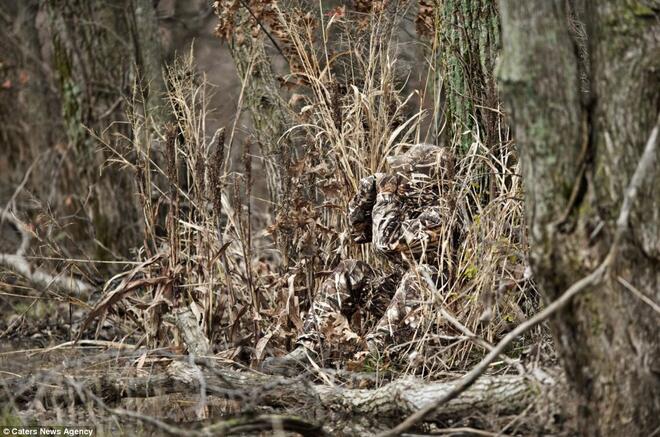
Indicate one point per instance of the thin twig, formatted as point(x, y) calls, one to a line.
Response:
point(639, 294)
point(466, 331)
point(18, 189)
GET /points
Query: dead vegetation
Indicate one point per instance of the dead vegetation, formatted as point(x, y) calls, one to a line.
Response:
point(223, 278)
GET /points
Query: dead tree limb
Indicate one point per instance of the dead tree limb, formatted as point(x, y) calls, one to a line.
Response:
point(499, 394)
point(17, 263)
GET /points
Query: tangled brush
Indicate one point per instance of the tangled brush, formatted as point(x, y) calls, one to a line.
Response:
point(353, 117)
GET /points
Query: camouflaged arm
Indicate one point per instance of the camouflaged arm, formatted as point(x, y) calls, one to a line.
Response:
point(359, 210)
point(407, 219)
point(433, 161)
point(424, 233)
point(387, 215)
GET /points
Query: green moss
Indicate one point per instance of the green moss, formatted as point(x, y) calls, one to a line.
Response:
point(70, 92)
point(471, 271)
point(641, 10)
point(373, 364)
point(585, 209)
point(623, 18)
point(39, 310)
point(9, 418)
point(588, 307)
point(468, 34)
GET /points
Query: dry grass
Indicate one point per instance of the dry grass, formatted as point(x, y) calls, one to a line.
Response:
point(204, 248)
point(354, 131)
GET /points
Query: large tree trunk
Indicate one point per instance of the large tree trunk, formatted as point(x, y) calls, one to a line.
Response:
point(468, 42)
point(582, 82)
point(269, 113)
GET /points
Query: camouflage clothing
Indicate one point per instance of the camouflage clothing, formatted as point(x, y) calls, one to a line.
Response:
point(405, 309)
point(402, 215)
point(352, 292)
point(346, 291)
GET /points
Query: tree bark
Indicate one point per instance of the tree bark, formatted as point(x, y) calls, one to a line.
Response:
point(581, 79)
point(100, 50)
point(149, 56)
point(270, 118)
point(26, 99)
point(468, 40)
point(468, 43)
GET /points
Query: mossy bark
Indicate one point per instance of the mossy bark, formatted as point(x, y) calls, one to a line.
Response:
point(468, 43)
point(26, 101)
point(468, 33)
point(270, 115)
point(582, 84)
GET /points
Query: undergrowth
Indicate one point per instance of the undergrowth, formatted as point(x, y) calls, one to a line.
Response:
point(207, 247)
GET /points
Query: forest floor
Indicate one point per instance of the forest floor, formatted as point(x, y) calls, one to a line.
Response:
point(118, 389)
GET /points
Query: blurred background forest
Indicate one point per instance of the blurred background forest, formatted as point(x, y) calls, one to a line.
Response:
point(70, 72)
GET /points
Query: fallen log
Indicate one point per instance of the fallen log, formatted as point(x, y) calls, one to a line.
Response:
point(491, 394)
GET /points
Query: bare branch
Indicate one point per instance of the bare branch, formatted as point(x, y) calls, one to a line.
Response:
point(39, 278)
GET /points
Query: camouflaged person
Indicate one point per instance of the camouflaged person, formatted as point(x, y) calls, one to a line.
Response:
point(403, 214)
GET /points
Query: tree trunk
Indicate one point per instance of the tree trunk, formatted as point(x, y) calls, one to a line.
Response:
point(468, 40)
point(262, 98)
point(270, 117)
point(100, 50)
point(26, 98)
point(148, 56)
point(582, 82)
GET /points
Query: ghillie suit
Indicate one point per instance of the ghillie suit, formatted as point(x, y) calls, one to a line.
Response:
point(404, 215)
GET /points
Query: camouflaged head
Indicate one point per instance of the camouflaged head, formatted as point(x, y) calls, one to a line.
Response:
point(400, 212)
point(427, 159)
